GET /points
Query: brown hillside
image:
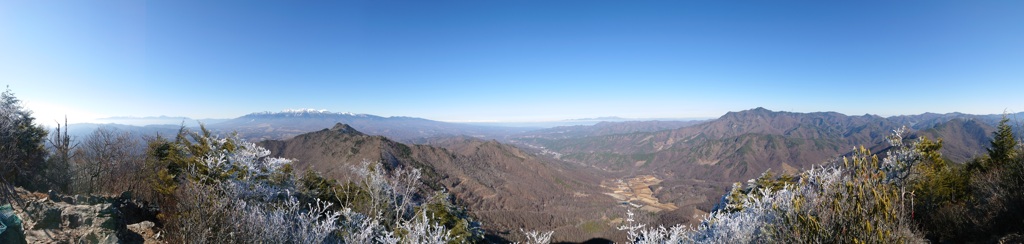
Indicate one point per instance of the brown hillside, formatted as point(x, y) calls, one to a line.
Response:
point(699, 163)
point(742, 144)
point(962, 139)
point(504, 187)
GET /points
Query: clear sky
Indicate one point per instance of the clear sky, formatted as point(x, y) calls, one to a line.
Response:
point(511, 60)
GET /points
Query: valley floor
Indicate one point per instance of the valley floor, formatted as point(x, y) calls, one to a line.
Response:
point(637, 192)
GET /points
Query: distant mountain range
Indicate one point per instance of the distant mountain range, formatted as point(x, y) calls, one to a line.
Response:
point(535, 125)
point(736, 135)
point(287, 124)
point(283, 125)
point(157, 120)
point(607, 128)
point(80, 131)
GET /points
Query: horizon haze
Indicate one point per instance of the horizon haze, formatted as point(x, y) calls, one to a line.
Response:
point(510, 61)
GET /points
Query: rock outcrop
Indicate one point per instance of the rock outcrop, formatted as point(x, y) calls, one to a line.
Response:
point(54, 218)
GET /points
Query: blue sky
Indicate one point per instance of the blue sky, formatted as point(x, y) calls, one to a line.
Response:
point(511, 60)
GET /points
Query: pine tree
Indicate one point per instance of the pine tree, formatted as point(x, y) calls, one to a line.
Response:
point(22, 148)
point(1004, 145)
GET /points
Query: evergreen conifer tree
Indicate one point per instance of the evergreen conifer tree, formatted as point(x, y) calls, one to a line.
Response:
point(1003, 146)
point(22, 151)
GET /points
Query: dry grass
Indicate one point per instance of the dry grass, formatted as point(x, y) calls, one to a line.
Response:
point(637, 191)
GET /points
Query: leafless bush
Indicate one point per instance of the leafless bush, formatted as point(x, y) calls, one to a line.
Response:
point(108, 161)
point(58, 171)
point(201, 215)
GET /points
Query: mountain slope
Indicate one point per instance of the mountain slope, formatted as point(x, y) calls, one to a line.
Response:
point(757, 136)
point(759, 139)
point(700, 162)
point(928, 120)
point(962, 139)
point(504, 187)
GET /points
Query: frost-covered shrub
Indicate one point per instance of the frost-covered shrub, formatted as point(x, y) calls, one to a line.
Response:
point(538, 237)
point(392, 194)
point(228, 190)
point(229, 197)
point(859, 200)
point(639, 233)
point(421, 230)
point(867, 204)
point(392, 200)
